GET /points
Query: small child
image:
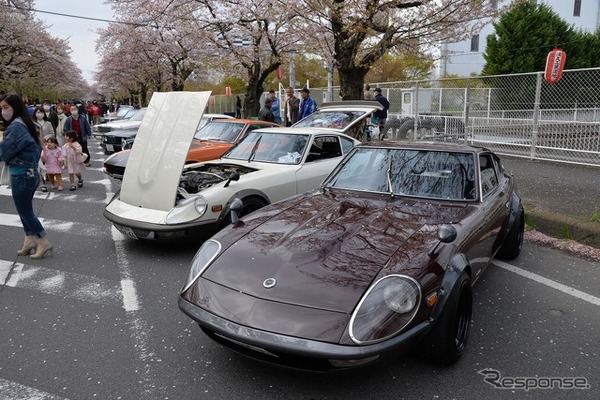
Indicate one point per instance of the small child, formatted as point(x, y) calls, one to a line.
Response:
point(73, 158)
point(51, 156)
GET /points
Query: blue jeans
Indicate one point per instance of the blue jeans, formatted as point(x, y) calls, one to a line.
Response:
point(23, 189)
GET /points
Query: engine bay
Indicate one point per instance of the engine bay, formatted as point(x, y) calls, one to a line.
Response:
point(194, 180)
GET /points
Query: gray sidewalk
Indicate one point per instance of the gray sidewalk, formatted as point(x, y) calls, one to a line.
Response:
point(560, 200)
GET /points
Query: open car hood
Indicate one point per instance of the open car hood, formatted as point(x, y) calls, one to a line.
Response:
point(161, 146)
point(323, 251)
point(327, 115)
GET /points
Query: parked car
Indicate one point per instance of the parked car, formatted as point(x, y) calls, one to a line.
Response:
point(115, 164)
point(117, 123)
point(378, 260)
point(119, 114)
point(267, 165)
point(115, 135)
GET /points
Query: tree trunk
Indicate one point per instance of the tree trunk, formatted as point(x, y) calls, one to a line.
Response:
point(351, 83)
point(252, 99)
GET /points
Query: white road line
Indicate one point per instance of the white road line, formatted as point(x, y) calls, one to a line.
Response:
point(16, 391)
point(63, 284)
point(548, 282)
point(77, 228)
point(138, 326)
point(65, 195)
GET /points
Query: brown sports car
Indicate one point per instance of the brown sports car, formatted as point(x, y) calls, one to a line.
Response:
point(379, 259)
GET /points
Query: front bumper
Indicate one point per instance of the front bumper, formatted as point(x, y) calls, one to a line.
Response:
point(295, 352)
point(110, 148)
point(150, 231)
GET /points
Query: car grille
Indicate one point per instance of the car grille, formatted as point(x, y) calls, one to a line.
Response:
point(111, 139)
point(114, 170)
point(103, 129)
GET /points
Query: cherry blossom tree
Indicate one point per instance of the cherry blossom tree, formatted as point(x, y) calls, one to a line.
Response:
point(354, 34)
point(32, 62)
point(252, 35)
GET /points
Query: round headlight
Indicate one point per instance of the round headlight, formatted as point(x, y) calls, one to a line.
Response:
point(200, 204)
point(386, 309)
point(203, 258)
point(401, 296)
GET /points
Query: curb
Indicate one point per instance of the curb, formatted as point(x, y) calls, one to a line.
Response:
point(563, 226)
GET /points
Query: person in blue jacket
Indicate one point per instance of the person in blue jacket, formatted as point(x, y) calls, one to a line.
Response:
point(307, 104)
point(78, 122)
point(20, 149)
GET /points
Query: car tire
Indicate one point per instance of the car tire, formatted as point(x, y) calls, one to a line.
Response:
point(447, 340)
point(511, 248)
point(252, 203)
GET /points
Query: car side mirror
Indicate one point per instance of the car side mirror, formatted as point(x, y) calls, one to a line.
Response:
point(235, 176)
point(446, 234)
point(236, 208)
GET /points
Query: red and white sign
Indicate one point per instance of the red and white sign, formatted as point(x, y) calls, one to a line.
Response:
point(228, 91)
point(555, 63)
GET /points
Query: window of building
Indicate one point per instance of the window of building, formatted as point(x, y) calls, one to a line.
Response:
point(577, 8)
point(475, 43)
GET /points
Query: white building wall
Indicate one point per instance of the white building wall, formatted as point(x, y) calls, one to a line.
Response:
point(458, 59)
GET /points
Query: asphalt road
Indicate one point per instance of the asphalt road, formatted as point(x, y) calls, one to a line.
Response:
point(99, 320)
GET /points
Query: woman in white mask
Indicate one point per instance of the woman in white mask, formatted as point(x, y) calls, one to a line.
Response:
point(60, 128)
point(41, 119)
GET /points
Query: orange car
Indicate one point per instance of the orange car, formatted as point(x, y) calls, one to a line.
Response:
point(218, 136)
point(210, 142)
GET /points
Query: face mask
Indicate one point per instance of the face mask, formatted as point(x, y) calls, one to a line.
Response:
point(7, 115)
point(74, 113)
point(39, 115)
point(46, 108)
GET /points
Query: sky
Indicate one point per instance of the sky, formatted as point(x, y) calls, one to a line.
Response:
point(80, 33)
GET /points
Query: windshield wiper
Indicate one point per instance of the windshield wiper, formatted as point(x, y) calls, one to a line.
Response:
point(388, 175)
point(253, 152)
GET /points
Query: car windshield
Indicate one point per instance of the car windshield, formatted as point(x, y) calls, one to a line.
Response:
point(131, 112)
point(280, 148)
point(123, 111)
point(408, 172)
point(138, 116)
point(219, 132)
point(330, 119)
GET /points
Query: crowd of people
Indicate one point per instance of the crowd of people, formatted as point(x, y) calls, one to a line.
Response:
point(36, 144)
point(296, 108)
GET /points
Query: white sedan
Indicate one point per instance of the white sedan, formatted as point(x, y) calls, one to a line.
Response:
point(160, 198)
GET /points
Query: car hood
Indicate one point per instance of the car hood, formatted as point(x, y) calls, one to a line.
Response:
point(123, 133)
point(121, 124)
point(210, 145)
point(161, 146)
point(325, 250)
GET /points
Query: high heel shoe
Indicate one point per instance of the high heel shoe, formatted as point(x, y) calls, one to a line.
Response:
point(42, 252)
point(25, 251)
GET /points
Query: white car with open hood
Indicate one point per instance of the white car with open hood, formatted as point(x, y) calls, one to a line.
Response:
point(161, 198)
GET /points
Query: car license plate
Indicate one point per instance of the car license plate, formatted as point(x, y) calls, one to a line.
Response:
point(127, 231)
point(110, 147)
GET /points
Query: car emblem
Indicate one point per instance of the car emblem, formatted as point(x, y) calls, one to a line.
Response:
point(269, 283)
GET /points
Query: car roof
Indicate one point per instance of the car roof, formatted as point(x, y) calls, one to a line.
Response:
point(244, 121)
point(426, 145)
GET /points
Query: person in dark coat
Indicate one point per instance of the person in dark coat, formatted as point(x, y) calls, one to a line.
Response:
point(265, 113)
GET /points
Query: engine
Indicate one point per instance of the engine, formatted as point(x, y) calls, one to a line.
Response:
point(195, 180)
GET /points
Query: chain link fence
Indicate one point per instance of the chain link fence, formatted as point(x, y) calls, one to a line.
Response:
point(519, 115)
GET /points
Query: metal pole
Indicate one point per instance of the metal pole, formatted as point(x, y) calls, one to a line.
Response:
point(292, 70)
point(536, 114)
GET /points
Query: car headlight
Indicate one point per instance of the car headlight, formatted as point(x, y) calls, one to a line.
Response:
point(187, 210)
point(387, 308)
point(203, 258)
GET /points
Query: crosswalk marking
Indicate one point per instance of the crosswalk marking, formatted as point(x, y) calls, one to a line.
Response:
point(16, 391)
point(57, 225)
point(60, 283)
point(66, 195)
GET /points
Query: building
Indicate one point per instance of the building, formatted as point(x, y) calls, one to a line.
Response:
point(466, 57)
